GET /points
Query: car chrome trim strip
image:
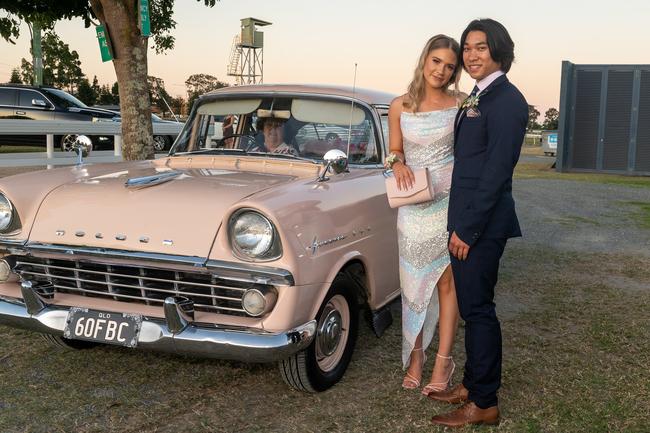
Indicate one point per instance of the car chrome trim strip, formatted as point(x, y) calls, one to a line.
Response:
point(111, 253)
point(209, 341)
point(156, 179)
point(258, 274)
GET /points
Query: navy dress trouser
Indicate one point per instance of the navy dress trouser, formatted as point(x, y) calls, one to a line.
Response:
point(475, 279)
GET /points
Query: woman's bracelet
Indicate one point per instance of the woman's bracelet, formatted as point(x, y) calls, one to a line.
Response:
point(391, 159)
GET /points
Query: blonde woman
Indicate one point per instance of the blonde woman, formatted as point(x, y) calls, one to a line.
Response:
point(421, 130)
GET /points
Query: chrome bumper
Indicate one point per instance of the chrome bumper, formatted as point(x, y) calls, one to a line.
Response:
point(209, 341)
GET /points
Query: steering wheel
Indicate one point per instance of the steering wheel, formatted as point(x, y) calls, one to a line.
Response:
point(246, 142)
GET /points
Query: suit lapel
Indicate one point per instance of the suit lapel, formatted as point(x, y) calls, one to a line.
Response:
point(461, 113)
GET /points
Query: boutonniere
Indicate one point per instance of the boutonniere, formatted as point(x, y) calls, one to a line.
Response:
point(470, 102)
point(470, 105)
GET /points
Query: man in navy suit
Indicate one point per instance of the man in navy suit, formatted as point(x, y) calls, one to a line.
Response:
point(490, 128)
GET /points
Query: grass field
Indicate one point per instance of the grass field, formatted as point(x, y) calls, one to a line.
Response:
point(19, 149)
point(527, 170)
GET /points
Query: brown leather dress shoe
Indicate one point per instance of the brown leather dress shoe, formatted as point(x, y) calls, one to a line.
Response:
point(469, 413)
point(457, 394)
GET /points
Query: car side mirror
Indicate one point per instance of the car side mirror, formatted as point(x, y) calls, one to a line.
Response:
point(39, 103)
point(335, 160)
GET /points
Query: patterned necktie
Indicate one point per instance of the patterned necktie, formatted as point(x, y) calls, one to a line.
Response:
point(474, 91)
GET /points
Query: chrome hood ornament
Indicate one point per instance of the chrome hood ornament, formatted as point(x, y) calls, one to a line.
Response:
point(155, 179)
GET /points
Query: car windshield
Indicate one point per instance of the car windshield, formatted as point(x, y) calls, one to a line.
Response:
point(63, 99)
point(282, 127)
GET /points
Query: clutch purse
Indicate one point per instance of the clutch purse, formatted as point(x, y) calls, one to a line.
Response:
point(420, 192)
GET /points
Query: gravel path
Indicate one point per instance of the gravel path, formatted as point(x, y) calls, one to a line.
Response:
point(582, 216)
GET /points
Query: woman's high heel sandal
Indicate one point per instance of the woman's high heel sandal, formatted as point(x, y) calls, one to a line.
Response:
point(409, 381)
point(440, 386)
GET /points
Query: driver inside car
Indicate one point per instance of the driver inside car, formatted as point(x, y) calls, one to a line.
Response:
point(273, 131)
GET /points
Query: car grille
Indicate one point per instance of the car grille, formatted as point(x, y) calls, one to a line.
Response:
point(143, 285)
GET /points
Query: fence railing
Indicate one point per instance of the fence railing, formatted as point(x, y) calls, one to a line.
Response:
point(50, 128)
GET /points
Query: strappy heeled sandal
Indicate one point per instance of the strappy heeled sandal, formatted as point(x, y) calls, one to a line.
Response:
point(411, 382)
point(440, 386)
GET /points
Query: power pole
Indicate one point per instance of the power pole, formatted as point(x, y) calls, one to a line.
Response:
point(37, 53)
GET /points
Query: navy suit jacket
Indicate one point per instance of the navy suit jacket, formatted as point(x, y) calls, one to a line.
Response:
point(486, 150)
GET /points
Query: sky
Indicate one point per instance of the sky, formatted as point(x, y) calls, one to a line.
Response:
point(319, 41)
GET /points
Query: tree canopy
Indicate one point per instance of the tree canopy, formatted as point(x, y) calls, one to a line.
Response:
point(198, 84)
point(551, 119)
point(61, 66)
point(121, 19)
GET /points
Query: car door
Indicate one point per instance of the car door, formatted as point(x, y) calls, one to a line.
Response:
point(7, 102)
point(33, 105)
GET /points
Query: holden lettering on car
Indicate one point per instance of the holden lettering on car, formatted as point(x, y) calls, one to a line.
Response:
point(317, 244)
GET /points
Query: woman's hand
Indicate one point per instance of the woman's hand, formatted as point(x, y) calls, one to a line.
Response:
point(403, 175)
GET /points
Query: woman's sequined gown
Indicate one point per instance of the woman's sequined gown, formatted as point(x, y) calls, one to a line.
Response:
point(428, 140)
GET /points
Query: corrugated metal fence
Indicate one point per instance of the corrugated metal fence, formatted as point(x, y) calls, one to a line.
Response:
point(604, 119)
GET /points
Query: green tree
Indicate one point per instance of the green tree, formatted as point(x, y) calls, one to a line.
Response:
point(15, 77)
point(159, 96)
point(86, 93)
point(121, 18)
point(115, 93)
point(533, 115)
point(107, 97)
point(95, 85)
point(551, 119)
point(198, 84)
point(61, 67)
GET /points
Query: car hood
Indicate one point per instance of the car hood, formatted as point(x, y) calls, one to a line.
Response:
point(179, 216)
point(96, 112)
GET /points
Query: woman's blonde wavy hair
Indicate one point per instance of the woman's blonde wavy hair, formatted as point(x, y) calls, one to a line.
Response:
point(415, 92)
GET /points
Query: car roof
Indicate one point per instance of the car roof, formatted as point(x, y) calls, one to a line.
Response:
point(25, 86)
point(373, 97)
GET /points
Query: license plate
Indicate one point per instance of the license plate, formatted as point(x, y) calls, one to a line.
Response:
point(121, 329)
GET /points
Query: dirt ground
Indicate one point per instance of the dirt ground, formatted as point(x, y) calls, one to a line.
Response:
point(574, 302)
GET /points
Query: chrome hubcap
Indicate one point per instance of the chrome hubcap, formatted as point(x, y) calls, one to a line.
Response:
point(330, 332)
point(332, 335)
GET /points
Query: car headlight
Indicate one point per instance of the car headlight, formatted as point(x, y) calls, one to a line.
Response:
point(258, 301)
point(253, 236)
point(6, 212)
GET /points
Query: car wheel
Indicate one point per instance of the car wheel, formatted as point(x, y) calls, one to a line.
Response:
point(67, 142)
point(160, 143)
point(323, 363)
point(67, 344)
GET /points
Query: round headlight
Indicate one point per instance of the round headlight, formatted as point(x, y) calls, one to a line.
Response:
point(6, 212)
point(253, 302)
point(258, 301)
point(5, 270)
point(252, 234)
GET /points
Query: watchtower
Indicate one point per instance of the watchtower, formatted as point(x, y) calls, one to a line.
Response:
point(247, 53)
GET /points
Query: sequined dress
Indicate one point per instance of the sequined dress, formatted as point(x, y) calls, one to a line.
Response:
point(428, 139)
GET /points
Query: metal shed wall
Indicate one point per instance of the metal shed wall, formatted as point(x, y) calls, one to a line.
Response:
point(604, 123)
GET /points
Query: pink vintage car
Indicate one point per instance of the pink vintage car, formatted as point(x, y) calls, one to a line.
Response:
point(261, 245)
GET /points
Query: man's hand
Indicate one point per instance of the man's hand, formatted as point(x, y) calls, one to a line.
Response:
point(457, 247)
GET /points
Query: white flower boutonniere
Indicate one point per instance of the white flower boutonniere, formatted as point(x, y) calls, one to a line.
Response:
point(470, 105)
point(471, 102)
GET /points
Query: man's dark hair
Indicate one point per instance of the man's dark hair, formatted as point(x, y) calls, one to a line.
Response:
point(502, 49)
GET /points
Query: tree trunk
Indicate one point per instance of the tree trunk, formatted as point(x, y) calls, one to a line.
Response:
point(130, 60)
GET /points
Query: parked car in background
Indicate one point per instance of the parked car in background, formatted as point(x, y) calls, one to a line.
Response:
point(161, 143)
point(224, 248)
point(47, 103)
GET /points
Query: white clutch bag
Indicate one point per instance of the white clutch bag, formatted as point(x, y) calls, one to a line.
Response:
point(420, 192)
